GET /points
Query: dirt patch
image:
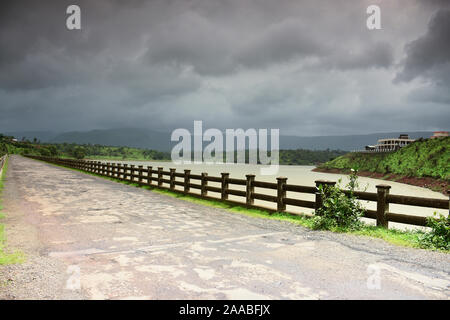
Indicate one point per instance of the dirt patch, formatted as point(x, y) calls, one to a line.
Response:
point(433, 184)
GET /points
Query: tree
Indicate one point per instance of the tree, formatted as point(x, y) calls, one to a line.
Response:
point(53, 151)
point(78, 153)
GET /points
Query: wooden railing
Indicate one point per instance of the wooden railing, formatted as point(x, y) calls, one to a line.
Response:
point(164, 179)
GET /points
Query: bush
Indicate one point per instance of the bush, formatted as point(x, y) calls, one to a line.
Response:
point(339, 211)
point(439, 236)
point(44, 152)
point(78, 153)
point(53, 151)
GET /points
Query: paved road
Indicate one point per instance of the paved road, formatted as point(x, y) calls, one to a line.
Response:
point(89, 238)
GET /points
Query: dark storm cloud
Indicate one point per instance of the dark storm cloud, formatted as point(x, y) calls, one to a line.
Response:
point(428, 58)
point(427, 55)
point(309, 67)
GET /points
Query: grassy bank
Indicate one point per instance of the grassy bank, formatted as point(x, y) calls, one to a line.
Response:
point(423, 158)
point(6, 256)
point(398, 237)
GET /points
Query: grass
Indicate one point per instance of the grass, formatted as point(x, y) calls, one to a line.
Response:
point(6, 256)
point(394, 236)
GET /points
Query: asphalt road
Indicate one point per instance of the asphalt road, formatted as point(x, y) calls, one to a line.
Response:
point(89, 238)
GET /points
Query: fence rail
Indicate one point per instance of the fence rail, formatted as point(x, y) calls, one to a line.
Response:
point(164, 179)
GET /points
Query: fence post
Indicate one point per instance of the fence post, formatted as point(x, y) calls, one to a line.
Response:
point(160, 176)
point(119, 171)
point(140, 174)
point(99, 167)
point(125, 171)
point(250, 189)
point(187, 179)
point(113, 171)
point(108, 168)
point(281, 194)
point(225, 184)
point(132, 172)
point(382, 205)
point(149, 175)
point(203, 191)
point(319, 200)
point(172, 178)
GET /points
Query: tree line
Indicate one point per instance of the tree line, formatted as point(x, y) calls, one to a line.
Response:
point(95, 151)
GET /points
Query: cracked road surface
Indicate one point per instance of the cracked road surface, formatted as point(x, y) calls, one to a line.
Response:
point(90, 238)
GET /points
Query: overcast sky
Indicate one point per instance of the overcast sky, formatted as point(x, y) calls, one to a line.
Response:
point(306, 67)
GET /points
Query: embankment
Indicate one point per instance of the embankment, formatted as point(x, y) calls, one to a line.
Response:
point(424, 163)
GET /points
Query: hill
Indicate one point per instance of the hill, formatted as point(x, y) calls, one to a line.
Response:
point(97, 151)
point(71, 150)
point(423, 158)
point(127, 137)
point(150, 139)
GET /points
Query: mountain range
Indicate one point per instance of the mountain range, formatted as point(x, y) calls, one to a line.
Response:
point(149, 139)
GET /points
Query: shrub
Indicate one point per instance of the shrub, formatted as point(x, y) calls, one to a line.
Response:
point(78, 153)
point(339, 210)
point(439, 236)
point(44, 152)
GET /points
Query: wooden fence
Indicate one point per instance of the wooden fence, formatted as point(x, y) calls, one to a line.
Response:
point(164, 179)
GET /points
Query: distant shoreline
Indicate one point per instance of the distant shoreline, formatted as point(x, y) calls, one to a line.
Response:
point(437, 185)
point(127, 159)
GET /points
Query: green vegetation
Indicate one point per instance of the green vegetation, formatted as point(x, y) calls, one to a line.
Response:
point(308, 157)
point(412, 239)
point(339, 211)
point(6, 257)
point(342, 212)
point(439, 236)
point(76, 151)
point(423, 158)
point(66, 150)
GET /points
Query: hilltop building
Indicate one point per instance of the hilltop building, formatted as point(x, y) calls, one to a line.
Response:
point(439, 134)
point(390, 144)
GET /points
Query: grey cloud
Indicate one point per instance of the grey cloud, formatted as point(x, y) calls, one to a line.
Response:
point(428, 59)
point(377, 55)
point(280, 43)
point(429, 53)
point(307, 67)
